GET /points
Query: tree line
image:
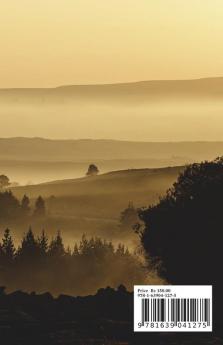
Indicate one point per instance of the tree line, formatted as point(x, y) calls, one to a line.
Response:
point(39, 264)
point(12, 208)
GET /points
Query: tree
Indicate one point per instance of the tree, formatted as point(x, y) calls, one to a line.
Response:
point(40, 208)
point(183, 232)
point(36, 266)
point(4, 181)
point(9, 206)
point(29, 250)
point(56, 247)
point(7, 247)
point(25, 205)
point(92, 170)
point(43, 243)
point(129, 217)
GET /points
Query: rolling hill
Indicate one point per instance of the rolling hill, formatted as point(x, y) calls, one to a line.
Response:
point(92, 205)
point(37, 160)
point(116, 182)
point(40, 149)
point(130, 92)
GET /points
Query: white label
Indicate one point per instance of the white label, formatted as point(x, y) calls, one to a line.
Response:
point(170, 308)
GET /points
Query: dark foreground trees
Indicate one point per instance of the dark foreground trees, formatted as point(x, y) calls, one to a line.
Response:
point(34, 319)
point(41, 265)
point(183, 232)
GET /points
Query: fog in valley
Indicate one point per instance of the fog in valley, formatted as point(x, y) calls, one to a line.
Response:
point(144, 111)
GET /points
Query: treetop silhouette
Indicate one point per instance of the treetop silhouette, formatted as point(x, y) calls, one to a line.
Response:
point(92, 170)
point(183, 232)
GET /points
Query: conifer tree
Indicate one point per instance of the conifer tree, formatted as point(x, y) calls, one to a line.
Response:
point(40, 208)
point(43, 243)
point(56, 248)
point(7, 247)
point(25, 205)
point(29, 249)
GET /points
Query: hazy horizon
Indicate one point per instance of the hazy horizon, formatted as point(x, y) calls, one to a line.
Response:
point(111, 83)
point(133, 71)
point(162, 111)
point(111, 139)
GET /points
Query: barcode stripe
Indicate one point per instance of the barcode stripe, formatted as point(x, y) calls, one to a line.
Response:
point(176, 310)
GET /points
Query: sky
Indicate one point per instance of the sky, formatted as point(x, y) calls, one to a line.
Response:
point(46, 43)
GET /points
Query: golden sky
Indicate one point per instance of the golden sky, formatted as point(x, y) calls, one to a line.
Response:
point(47, 43)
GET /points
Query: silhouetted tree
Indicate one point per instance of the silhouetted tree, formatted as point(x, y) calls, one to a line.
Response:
point(40, 208)
point(43, 243)
point(37, 266)
point(4, 181)
point(56, 247)
point(92, 170)
point(183, 232)
point(29, 250)
point(7, 246)
point(9, 206)
point(25, 206)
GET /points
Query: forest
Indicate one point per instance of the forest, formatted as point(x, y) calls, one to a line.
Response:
point(41, 265)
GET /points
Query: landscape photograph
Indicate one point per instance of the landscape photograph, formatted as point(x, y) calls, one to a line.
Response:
point(111, 167)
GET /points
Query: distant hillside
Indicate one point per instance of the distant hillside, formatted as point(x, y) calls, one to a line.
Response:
point(38, 149)
point(133, 92)
point(177, 110)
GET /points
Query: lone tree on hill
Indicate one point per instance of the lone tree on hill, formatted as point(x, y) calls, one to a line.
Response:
point(4, 181)
point(92, 170)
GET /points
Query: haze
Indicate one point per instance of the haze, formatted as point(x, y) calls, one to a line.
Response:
point(148, 111)
point(48, 43)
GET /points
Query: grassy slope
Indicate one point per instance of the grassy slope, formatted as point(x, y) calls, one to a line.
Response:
point(92, 205)
point(107, 194)
point(36, 172)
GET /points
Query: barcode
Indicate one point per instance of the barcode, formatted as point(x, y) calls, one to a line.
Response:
point(176, 310)
point(172, 308)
